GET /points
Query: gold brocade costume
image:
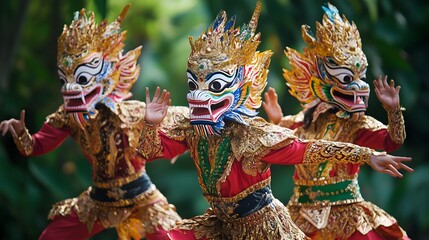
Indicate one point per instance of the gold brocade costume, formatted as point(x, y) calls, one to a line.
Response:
point(328, 78)
point(96, 76)
point(224, 165)
point(109, 141)
point(341, 217)
point(271, 222)
point(232, 169)
point(231, 147)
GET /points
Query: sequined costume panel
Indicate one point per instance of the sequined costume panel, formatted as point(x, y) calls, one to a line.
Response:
point(149, 213)
point(327, 202)
point(231, 173)
point(271, 222)
point(345, 220)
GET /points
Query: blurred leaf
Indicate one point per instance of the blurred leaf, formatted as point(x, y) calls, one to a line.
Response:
point(372, 9)
point(101, 6)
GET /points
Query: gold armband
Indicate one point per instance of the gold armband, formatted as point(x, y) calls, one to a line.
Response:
point(321, 151)
point(149, 145)
point(396, 124)
point(24, 143)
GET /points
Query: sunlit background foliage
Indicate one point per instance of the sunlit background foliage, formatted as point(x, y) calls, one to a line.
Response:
point(395, 35)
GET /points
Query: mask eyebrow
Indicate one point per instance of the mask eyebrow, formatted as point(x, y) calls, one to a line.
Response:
point(336, 69)
point(86, 67)
point(61, 71)
point(211, 75)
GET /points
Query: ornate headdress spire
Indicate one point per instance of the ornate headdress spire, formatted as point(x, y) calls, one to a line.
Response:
point(222, 46)
point(336, 38)
point(83, 36)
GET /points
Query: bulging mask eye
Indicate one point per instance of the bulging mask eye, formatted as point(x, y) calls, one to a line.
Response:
point(192, 82)
point(192, 85)
point(218, 81)
point(217, 85)
point(340, 74)
point(347, 79)
point(83, 78)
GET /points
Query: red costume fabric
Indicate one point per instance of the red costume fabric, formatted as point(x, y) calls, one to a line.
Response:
point(69, 227)
point(233, 172)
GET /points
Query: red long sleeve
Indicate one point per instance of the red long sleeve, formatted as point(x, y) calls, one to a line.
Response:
point(378, 140)
point(171, 148)
point(289, 155)
point(47, 139)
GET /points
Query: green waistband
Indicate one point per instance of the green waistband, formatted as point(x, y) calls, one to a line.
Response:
point(342, 192)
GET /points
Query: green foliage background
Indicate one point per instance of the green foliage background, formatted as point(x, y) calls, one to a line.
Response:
point(395, 37)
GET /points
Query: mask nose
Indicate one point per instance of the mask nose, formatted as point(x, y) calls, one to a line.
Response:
point(358, 85)
point(72, 87)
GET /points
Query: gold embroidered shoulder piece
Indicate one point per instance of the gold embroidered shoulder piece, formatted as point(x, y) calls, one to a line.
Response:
point(176, 115)
point(290, 120)
point(252, 142)
point(176, 123)
point(57, 119)
point(372, 124)
point(131, 115)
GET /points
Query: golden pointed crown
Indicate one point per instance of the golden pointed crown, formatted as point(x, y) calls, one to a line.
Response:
point(337, 38)
point(222, 46)
point(83, 36)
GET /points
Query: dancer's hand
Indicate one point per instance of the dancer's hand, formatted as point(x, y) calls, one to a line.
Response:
point(389, 164)
point(272, 107)
point(16, 127)
point(388, 94)
point(156, 109)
